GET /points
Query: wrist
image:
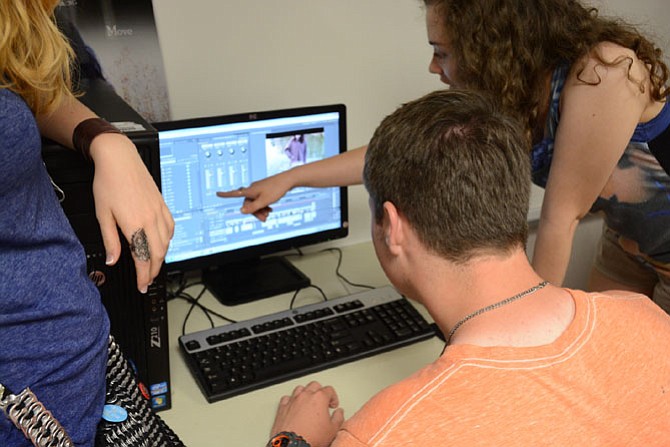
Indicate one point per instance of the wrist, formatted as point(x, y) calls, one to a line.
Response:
point(86, 131)
point(302, 175)
point(287, 439)
point(291, 178)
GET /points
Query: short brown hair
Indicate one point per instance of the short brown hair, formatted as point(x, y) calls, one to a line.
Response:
point(457, 169)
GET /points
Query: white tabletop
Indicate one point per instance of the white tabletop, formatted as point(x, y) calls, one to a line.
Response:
point(246, 420)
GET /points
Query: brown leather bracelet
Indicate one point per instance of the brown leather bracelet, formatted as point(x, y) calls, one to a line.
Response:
point(87, 130)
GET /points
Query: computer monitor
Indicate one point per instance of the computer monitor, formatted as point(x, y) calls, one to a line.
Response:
point(201, 156)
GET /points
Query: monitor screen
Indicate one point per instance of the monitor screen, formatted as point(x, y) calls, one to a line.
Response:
point(201, 156)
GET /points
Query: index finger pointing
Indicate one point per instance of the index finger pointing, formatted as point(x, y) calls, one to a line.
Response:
point(241, 192)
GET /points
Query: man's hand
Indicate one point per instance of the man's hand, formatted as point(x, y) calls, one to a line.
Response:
point(307, 412)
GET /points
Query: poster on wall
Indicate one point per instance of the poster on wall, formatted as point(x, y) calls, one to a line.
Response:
point(120, 36)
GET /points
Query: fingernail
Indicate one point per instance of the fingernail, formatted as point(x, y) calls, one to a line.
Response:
point(144, 289)
point(109, 260)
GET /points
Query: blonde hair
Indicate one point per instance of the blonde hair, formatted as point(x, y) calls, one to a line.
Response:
point(34, 56)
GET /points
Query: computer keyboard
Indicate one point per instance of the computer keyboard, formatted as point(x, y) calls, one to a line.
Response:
point(237, 358)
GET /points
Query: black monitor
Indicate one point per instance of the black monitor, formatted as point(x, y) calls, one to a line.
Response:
point(201, 156)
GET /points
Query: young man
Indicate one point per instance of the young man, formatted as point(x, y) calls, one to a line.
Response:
point(526, 363)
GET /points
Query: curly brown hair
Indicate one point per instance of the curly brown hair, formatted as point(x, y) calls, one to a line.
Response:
point(508, 47)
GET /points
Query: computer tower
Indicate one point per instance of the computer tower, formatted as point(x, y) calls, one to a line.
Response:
point(138, 322)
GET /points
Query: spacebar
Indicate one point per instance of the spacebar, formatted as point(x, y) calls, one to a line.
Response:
point(282, 368)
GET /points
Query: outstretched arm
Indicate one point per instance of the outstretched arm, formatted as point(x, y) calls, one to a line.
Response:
point(124, 191)
point(341, 170)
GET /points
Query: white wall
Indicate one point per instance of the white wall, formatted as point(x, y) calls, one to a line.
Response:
point(230, 56)
point(651, 16)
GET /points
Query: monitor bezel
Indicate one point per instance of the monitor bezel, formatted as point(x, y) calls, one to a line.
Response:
point(215, 260)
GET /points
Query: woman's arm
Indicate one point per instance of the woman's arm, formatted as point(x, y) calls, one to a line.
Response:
point(597, 122)
point(124, 191)
point(341, 170)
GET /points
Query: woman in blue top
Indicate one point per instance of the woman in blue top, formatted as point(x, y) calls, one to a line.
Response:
point(53, 327)
point(591, 93)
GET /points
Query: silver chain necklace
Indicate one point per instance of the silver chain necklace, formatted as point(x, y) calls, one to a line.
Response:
point(495, 306)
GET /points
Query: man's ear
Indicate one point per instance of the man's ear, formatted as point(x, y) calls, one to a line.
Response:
point(393, 226)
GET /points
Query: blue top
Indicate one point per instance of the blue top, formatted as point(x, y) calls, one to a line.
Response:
point(53, 326)
point(638, 202)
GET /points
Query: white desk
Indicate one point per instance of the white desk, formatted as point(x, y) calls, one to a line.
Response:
point(246, 420)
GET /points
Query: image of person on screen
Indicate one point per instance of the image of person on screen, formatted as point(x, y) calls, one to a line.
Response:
point(520, 353)
point(296, 149)
point(591, 93)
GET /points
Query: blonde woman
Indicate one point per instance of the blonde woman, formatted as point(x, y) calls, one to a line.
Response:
point(53, 327)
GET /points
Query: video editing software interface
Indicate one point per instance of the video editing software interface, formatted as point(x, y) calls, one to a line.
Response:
point(199, 157)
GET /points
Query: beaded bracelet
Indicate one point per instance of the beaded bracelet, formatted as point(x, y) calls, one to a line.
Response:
point(87, 130)
point(287, 439)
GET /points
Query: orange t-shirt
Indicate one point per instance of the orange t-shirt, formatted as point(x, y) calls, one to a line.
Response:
point(604, 382)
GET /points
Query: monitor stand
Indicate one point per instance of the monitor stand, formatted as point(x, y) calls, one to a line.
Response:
point(251, 280)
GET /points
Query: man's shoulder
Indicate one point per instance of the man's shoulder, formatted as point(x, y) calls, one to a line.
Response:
point(623, 298)
point(623, 310)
